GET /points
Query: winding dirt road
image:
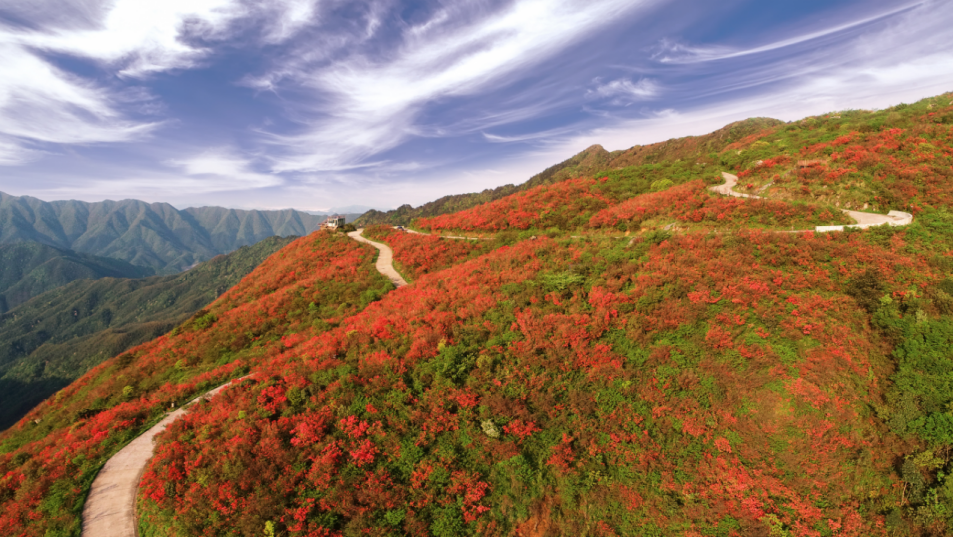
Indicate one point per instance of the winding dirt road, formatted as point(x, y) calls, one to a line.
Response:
point(385, 261)
point(110, 509)
point(864, 220)
point(453, 237)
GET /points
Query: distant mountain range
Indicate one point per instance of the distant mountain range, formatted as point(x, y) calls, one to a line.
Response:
point(153, 235)
point(57, 336)
point(28, 269)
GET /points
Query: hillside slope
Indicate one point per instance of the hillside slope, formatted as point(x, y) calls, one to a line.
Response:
point(28, 269)
point(595, 161)
point(586, 162)
point(57, 449)
point(700, 379)
point(154, 235)
point(51, 340)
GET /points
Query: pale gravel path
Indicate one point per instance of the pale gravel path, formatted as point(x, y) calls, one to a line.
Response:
point(385, 261)
point(454, 237)
point(864, 220)
point(110, 509)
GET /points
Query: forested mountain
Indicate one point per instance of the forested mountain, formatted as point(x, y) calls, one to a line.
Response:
point(28, 269)
point(155, 235)
point(54, 338)
point(626, 353)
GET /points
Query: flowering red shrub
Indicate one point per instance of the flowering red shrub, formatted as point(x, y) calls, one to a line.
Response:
point(567, 204)
point(417, 254)
point(574, 379)
point(51, 456)
point(703, 384)
point(691, 203)
point(883, 166)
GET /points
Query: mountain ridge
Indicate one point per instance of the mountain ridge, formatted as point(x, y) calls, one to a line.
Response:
point(28, 269)
point(594, 160)
point(155, 235)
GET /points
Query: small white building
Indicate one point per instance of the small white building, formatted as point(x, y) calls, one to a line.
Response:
point(333, 222)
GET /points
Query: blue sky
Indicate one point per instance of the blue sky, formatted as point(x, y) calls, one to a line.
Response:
point(320, 104)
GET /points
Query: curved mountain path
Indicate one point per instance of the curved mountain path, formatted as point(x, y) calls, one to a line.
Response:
point(864, 220)
point(453, 237)
point(385, 261)
point(110, 509)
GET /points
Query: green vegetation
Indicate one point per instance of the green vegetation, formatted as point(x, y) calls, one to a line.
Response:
point(585, 163)
point(51, 340)
point(28, 269)
point(721, 380)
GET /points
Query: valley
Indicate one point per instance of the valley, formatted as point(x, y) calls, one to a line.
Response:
point(52, 339)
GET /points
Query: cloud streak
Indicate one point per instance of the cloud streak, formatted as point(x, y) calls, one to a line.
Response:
point(372, 104)
point(670, 51)
point(223, 170)
point(42, 103)
point(391, 101)
point(623, 92)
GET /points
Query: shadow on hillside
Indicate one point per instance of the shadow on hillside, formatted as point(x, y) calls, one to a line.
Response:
point(17, 397)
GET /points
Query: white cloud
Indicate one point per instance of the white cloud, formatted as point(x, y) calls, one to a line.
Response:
point(623, 92)
point(219, 170)
point(146, 36)
point(541, 135)
point(41, 103)
point(372, 106)
point(289, 17)
point(670, 51)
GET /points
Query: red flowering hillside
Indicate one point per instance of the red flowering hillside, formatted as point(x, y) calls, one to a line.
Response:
point(51, 456)
point(692, 204)
point(893, 159)
point(738, 383)
point(731, 376)
point(416, 254)
point(576, 203)
point(567, 204)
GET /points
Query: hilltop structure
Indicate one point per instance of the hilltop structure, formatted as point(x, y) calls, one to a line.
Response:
point(334, 221)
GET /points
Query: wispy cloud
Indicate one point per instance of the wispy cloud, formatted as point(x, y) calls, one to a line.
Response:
point(539, 135)
point(222, 169)
point(147, 36)
point(42, 103)
point(672, 51)
point(372, 103)
point(623, 92)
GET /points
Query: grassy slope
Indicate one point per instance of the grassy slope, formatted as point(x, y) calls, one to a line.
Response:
point(738, 383)
point(28, 269)
point(56, 337)
point(690, 155)
point(56, 450)
point(731, 383)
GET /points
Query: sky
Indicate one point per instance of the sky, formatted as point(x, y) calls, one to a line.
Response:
point(325, 105)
